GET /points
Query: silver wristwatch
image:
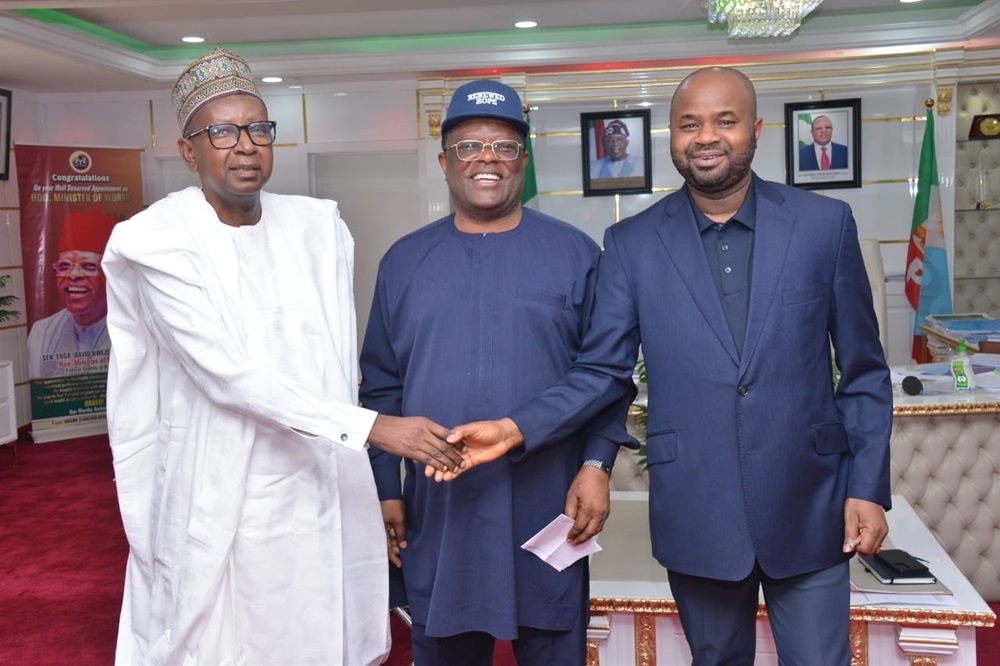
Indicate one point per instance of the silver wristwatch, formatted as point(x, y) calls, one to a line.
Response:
point(599, 464)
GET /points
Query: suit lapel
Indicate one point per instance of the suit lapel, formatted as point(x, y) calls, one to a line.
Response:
point(772, 234)
point(682, 242)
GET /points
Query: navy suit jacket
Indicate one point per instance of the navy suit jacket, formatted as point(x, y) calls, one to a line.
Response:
point(807, 157)
point(750, 457)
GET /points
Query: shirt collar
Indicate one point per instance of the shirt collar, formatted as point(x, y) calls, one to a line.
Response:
point(746, 215)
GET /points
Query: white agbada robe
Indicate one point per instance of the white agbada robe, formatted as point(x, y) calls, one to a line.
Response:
point(253, 523)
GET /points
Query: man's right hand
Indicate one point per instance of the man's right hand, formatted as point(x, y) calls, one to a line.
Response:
point(484, 441)
point(394, 517)
point(417, 438)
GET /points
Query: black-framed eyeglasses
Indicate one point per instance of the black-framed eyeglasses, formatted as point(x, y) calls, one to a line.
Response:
point(505, 150)
point(227, 135)
point(85, 268)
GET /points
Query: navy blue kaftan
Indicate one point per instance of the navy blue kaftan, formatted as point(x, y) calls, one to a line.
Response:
point(466, 327)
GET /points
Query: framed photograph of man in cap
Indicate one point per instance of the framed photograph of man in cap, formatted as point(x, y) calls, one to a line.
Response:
point(616, 153)
point(4, 134)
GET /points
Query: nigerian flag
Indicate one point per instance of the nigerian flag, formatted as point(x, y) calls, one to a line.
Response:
point(928, 287)
point(529, 195)
point(803, 127)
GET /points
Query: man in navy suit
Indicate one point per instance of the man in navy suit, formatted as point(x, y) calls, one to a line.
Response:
point(822, 153)
point(762, 474)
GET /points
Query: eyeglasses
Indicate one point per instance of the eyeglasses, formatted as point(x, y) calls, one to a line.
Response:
point(86, 268)
point(227, 135)
point(505, 150)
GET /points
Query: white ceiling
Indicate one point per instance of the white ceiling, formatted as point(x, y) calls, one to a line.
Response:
point(108, 45)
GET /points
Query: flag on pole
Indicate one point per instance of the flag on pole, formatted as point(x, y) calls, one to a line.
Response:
point(928, 287)
point(529, 195)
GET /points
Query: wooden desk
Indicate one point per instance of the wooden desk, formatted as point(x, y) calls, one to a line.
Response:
point(634, 618)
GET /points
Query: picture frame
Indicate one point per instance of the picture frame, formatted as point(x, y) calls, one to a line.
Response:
point(838, 128)
point(602, 134)
point(5, 134)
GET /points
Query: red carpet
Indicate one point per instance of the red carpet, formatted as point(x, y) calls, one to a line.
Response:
point(63, 561)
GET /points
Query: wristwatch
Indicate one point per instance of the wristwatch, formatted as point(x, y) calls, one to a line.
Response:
point(599, 464)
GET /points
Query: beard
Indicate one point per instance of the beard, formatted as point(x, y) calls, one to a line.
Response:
point(727, 176)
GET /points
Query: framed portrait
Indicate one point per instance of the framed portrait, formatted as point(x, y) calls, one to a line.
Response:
point(5, 134)
point(616, 153)
point(823, 144)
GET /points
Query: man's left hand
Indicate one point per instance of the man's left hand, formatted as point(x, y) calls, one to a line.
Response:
point(588, 503)
point(865, 526)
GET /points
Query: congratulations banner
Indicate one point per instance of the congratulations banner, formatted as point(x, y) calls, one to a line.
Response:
point(71, 198)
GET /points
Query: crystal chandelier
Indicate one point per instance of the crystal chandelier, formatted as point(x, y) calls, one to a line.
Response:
point(760, 18)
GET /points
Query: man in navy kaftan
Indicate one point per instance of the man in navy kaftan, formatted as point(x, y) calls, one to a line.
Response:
point(473, 315)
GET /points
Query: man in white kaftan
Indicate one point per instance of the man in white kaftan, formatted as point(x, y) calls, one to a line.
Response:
point(250, 409)
point(248, 501)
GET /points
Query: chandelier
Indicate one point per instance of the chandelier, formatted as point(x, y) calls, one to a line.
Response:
point(760, 18)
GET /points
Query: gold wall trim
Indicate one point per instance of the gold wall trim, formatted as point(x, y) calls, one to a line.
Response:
point(612, 605)
point(923, 617)
point(645, 639)
point(859, 643)
point(943, 410)
point(284, 145)
point(944, 96)
point(305, 120)
point(898, 615)
point(896, 119)
point(152, 126)
point(888, 181)
point(593, 654)
point(923, 660)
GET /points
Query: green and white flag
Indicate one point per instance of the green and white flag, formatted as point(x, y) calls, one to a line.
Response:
point(803, 127)
point(529, 195)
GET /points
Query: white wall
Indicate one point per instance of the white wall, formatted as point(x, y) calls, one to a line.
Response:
point(371, 145)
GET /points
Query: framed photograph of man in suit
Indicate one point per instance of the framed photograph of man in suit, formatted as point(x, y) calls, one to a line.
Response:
point(823, 144)
point(616, 153)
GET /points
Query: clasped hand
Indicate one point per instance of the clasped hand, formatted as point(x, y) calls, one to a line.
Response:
point(445, 453)
point(477, 443)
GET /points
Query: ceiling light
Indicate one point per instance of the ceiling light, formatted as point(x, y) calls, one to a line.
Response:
point(272, 79)
point(193, 39)
point(760, 18)
point(526, 24)
point(905, 1)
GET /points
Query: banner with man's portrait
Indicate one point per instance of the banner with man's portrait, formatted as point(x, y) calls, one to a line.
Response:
point(70, 197)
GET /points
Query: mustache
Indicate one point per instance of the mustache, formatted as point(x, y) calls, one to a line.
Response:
point(715, 147)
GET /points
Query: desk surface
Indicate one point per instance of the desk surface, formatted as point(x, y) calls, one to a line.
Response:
point(625, 577)
point(939, 395)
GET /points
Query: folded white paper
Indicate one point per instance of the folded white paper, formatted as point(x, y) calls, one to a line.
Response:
point(551, 546)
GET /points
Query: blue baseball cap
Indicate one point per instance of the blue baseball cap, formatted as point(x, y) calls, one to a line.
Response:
point(485, 99)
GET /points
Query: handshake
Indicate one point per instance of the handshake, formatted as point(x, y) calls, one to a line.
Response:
point(445, 453)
